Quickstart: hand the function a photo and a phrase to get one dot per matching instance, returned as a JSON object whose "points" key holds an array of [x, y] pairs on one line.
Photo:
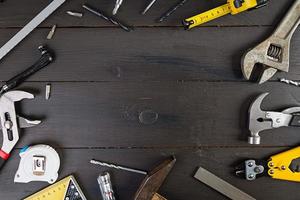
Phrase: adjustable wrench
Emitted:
{"points": [[260, 120], [10, 122], [273, 53]]}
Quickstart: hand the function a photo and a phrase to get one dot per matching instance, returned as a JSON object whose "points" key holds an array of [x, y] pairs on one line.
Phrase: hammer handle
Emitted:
{"points": [[46, 58]]}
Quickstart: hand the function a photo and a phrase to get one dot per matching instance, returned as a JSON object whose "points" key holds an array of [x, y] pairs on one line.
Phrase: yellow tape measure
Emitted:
{"points": [[66, 189], [232, 7]]}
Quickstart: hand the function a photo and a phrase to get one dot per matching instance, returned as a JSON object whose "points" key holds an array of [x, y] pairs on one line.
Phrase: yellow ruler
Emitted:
{"points": [[231, 7], [65, 189], [208, 16]]}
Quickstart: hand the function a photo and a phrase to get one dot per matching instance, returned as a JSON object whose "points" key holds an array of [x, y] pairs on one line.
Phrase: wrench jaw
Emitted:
{"points": [[8, 116], [271, 55]]}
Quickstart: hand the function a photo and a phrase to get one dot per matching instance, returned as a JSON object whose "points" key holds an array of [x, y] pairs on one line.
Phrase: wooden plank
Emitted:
{"points": [[180, 183], [143, 55], [17, 16], [191, 113]]}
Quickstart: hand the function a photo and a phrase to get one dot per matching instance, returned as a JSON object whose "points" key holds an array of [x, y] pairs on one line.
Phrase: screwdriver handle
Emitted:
{"points": [[47, 57]]}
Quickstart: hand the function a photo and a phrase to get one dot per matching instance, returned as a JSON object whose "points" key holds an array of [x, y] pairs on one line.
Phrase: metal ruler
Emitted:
{"points": [[37, 20], [220, 185], [66, 189]]}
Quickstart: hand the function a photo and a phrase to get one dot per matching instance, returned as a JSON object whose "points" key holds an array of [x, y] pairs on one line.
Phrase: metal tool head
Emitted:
{"points": [[266, 59], [154, 180], [9, 120], [273, 53], [257, 120], [251, 169]]}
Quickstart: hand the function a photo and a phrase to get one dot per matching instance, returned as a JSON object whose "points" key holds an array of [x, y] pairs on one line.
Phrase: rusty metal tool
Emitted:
{"points": [[260, 120], [152, 182], [272, 54]]}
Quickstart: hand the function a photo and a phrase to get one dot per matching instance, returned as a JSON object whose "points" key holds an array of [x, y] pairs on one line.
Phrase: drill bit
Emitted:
{"points": [[290, 82], [117, 6], [105, 17], [148, 7], [171, 10], [95, 162]]}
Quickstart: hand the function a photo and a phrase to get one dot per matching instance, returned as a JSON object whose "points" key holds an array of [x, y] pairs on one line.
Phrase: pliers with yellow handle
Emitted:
{"points": [[283, 166]]}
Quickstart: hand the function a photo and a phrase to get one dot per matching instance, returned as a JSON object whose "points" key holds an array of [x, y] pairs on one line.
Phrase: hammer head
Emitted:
{"points": [[154, 180], [257, 120]]}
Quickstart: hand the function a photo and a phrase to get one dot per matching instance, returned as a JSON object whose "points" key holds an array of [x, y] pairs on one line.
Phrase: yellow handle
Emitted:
{"points": [[279, 165]]}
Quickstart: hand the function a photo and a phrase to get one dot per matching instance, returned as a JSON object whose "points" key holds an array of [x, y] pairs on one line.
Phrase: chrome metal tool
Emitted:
{"points": [[260, 120], [10, 122], [37, 20], [272, 54], [117, 6], [106, 187], [148, 6]]}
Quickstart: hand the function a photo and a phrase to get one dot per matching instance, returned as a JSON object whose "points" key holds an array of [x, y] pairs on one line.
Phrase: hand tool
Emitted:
{"points": [[38, 163], [46, 58], [104, 164], [289, 82], [105, 17], [152, 182], [148, 6], [30, 27], [106, 188], [9, 122], [117, 6], [171, 10], [272, 54], [232, 7], [220, 185], [48, 91], [75, 14], [260, 120], [51, 33], [65, 189], [281, 166]]}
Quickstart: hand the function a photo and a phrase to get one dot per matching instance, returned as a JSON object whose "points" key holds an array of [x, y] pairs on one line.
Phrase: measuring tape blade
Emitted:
{"points": [[66, 189], [207, 16], [28, 28]]}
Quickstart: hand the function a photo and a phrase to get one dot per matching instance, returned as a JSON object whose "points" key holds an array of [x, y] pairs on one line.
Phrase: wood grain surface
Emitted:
{"points": [[136, 98]]}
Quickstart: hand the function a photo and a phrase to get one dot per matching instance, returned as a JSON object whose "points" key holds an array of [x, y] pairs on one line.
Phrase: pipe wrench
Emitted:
{"points": [[260, 120], [10, 122], [272, 54]]}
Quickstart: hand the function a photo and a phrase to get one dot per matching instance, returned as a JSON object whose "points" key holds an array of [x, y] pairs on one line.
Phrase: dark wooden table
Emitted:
{"points": [[104, 77]]}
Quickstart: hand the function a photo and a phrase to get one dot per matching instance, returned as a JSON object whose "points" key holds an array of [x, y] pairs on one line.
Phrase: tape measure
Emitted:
{"points": [[66, 189], [232, 7]]}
